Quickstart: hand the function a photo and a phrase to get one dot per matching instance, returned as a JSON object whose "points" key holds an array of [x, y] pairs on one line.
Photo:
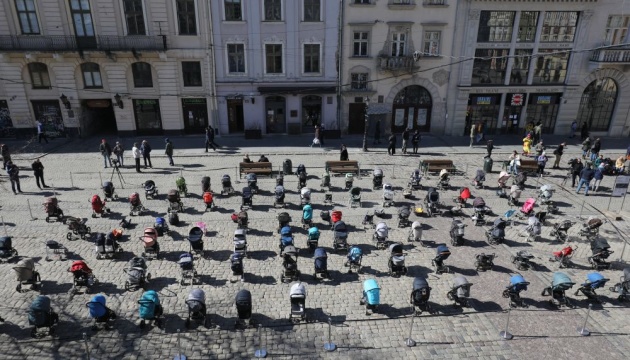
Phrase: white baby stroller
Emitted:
{"points": [[187, 268], [279, 197], [196, 303], [377, 179], [502, 182], [297, 296], [349, 180], [226, 185], [240, 241], [26, 274], [381, 234], [460, 291], [480, 209], [388, 195], [444, 180], [416, 232], [305, 196], [396, 263], [414, 180], [544, 194], [479, 179], [515, 194], [533, 228]]}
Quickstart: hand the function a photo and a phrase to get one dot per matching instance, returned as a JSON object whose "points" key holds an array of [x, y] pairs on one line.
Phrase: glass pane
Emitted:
{"points": [[26, 26], [74, 5], [33, 23], [20, 5], [87, 77], [85, 4], [89, 28], [97, 79], [78, 24]]}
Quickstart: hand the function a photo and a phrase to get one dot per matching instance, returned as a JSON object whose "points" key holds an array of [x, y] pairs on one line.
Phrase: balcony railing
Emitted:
{"points": [[395, 63], [617, 54], [72, 43]]}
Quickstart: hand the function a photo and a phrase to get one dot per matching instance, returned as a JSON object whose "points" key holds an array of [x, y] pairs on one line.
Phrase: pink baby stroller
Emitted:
{"points": [[527, 209]]}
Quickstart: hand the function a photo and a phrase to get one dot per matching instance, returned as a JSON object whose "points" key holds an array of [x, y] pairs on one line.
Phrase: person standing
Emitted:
{"points": [[573, 128], [576, 169], [584, 131], [597, 146], [542, 162], [14, 176], [586, 175], [137, 154], [586, 147], [321, 134], [489, 147], [6, 155], [391, 149], [599, 176], [343, 156], [106, 152], [377, 132], [168, 150], [538, 133], [527, 145], [515, 162], [118, 151], [40, 133], [210, 138], [558, 154], [38, 170], [540, 148], [415, 140], [146, 154], [405, 138], [473, 129]]}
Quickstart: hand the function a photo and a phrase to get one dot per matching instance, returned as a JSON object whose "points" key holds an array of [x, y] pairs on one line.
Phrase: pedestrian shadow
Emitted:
{"points": [[191, 166]]}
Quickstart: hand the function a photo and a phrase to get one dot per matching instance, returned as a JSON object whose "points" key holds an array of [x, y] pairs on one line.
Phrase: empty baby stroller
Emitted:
{"points": [[286, 238], [461, 200], [109, 191], [403, 216], [301, 180], [279, 197], [443, 180], [98, 206], [561, 282], [340, 235], [388, 195], [180, 182], [252, 182], [289, 263], [544, 194], [7, 252], [432, 202], [240, 241], [226, 185], [496, 234], [325, 180], [513, 291], [368, 220], [150, 191], [371, 296], [563, 256], [82, 276], [161, 226], [460, 291], [208, 200], [480, 210], [196, 303], [242, 219], [41, 315], [100, 312], [26, 274], [590, 229], [420, 296], [533, 228], [305, 196], [174, 201], [52, 209], [106, 246], [243, 302], [600, 251], [519, 180], [623, 286], [377, 178], [297, 296], [77, 227], [484, 261], [321, 264], [522, 260], [515, 194], [187, 269], [527, 209], [354, 257], [284, 219], [442, 253], [336, 216], [205, 184], [479, 179], [247, 198], [593, 282], [396, 263], [355, 197], [502, 183], [414, 180], [301, 169], [312, 238], [349, 179], [137, 276], [237, 265], [457, 232], [380, 236], [135, 204], [150, 309], [561, 229], [195, 238], [416, 232], [150, 242]]}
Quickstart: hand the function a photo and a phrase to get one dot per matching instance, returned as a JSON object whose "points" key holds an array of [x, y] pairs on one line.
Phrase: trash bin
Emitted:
{"points": [[287, 167], [487, 164]]}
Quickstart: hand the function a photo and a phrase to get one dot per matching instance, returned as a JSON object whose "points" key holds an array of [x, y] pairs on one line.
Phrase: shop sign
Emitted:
{"points": [[543, 100], [190, 101], [517, 99], [146, 102], [484, 100]]}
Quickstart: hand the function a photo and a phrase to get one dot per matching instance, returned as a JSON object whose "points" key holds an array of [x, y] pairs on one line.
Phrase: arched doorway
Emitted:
{"points": [[597, 104], [412, 109], [275, 110], [311, 112]]}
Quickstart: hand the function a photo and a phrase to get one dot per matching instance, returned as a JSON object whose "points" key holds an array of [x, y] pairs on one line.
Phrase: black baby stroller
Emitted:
{"points": [[590, 229], [380, 236], [7, 252], [442, 253], [195, 238], [522, 260], [623, 286], [26, 274], [600, 251], [479, 179], [205, 184], [443, 180], [243, 304], [252, 182], [297, 296], [460, 291], [368, 220], [283, 220], [377, 179], [77, 227], [187, 270], [247, 198], [340, 234], [593, 282], [109, 191], [321, 264], [135, 205], [519, 180], [150, 191], [349, 180], [560, 284], [420, 296], [480, 209], [301, 180], [414, 180], [100, 312], [396, 263], [41, 315], [279, 197], [54, 249], [226, 185], [513, 291], [137, 276], [457, 232], [484, 261], [280, 179], [289, 263], [432, 202], [174, 201], [496, 234], [196, 303], [403, 216], [561, 229], [354, 257], [237, 265], [355, 197], [305, 196], [106, 246], [242, 219]]}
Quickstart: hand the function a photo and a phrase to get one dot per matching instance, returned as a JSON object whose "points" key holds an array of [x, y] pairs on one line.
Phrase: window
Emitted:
{"points": [[520, 68], [142, 76], [28, 16], [360, 44], [559, 26], [39, 75], [359, 81], [495, 26], [312, 10], [617, 29], [552, 67], [489, 66], [401, 2], [186, 17], [311, 58], [273, 57], [598, 104], [134, 17], [398, 44], [361, 2], [431, 43], [236, 58], [82, 18], [191, 70], [233, 10], [273, 10], [527, 26], [91, 76]]}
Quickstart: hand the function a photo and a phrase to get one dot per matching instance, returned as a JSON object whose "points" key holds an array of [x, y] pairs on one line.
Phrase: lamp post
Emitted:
{"points": [[367, 117]]}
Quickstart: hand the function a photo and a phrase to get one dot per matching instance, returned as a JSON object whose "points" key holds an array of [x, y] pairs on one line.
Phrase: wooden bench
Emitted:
{"points": [[343, 167], [436, 165], [258, 168], [528, 165]]}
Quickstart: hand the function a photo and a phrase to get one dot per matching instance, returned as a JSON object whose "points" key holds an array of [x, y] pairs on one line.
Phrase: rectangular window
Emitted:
{"points": [[495, 26], [142, 77], [489, 66], [527, 26], [399, 42], [551, 68], [236, 58], [559, 26], [360, 44], [82, 18], [233, 10], [359, 81], [617, 29], [273, 57], [186, 17], [191, 71], [312, 9], [134, 17], [273, 10], [28, 16], [39, 76], [311, 58], [431, 43], [91, 76], [361, 2], [520, 68]]}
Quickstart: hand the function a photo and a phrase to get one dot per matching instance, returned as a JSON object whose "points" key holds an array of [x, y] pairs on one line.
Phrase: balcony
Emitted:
{"points": [[401, 4], [395, 63], [612, 55], [71, 43], [439, 3]]}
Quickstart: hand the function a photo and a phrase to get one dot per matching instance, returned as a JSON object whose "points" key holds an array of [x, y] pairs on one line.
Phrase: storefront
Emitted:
{"points": [[48, 112], [148, 118], [6, 123], [275, 111], [543, 108], [195, 112], [412, 109], [483, 111], [235, 115], [513, 107]]}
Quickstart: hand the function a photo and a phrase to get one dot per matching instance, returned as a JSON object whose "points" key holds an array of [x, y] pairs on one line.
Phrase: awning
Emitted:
{"points": [[378, 109], [296, 89]]}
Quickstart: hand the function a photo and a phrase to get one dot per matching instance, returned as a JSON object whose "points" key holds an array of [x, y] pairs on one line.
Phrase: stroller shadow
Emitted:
{"points": [[514, 244], [460, 271], [223, 323], [262, 254], [109, 289], [257, 279], [393, 312], [367, 270], [224, 210], [219, 255], [418, 271], [539, 304], [501, 269], [15, 331], [209, 280], [54, 288], [486, 306], [475, 243], [256, 232]]}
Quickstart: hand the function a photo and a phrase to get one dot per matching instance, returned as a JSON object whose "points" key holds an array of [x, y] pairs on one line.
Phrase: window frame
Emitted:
{"points": [[227, 59], [82, 12], [186, 73], [615, 29], [507, 29], [304, 6], [186, 13], [281, 59], [426, 42], [549, 33], [135, 75], [360, 41], [30, 16], [501, 67], [521, 27], [551, 73], [359, 81], [395, 43], [136, 13], [39, 72], [85, 71], [264, 9], [319, 58], [524, 58], [233, 3]]}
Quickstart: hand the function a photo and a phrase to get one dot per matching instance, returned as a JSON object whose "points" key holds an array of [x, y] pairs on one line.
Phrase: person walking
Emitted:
{"points": [[6, 155], [405, 138], [38, 171], [599, 176], [40, 133], [540, 148], [415, 140], [377, 132], [586, 175], [316, 137], [527, 145], [137, 154], [106, 152], [597, 146], [576, 169], [391, 149], [14, 176], [118, 150], [542, 162], [343, 156], [489, 147], [558, 154], [473, 130], [210, 138], [168, 150], [538, 133], [573, 128], [586, 147], [146, 154]]}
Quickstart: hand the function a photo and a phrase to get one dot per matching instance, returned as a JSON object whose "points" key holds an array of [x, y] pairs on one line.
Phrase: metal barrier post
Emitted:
{"points": [[409, 341], [29, 209], [71, 180], [4, 226], [623, 251], [330, 346], [180, 355], [505, 335], [393, 171], [261, 352], [583, 330], [100, 177], [582, 209]]}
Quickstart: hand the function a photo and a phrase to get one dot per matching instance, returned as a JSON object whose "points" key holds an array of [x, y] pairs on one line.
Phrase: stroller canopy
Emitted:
{"points": [[286, 231], [340, 226], [305, 192], [290, 250], [5, 243], [247, 192], [465, 193], [480, 175], [388, 187], [313, 233], [225, 180], [442, 250], [251, 177], [420, 283], [416, 225], [561, 279], [298, 290], [518, 279], [395, 248], [626, 274], [595, 280], [41, 304], [600, 244], [137, 262], [499, 223], [594, 223], [197, 295], [479, 202], [457, 224], [378, 172], [148, 303], [320, 253], [355, 253], [185, 259], [355, 191], [307, 212], [279, 190], [97, 306], [503, 176], [284, 217], [432, 195], [443, 174], [565, 225], [528, 205], [180, 181], [195, 234], [151, 296], [149, 185], [515, 191], [244, 298], [382, 229], [460, 281], [404, 211], [240, 234], [108, 186]]}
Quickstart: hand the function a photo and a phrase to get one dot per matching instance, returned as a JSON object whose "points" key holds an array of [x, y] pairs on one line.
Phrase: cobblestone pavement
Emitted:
{"points": [[540, 331]]}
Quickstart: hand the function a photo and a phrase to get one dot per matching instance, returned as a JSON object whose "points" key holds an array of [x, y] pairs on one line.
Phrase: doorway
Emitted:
{"points": [[99, 117], [311, 112], [276, 114], [236, 121], [412, 110], [195, 115], [356, 118]]}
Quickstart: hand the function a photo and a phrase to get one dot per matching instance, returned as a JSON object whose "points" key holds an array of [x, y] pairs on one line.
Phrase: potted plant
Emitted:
{"points": [[253, 131]]}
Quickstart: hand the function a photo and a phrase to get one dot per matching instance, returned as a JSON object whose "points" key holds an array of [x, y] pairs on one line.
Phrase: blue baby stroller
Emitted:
{"points": [[593, 281], [513, 291], [161, 226], [560, 284], [321, 264], [150, 309], [420, 295], [100, 312], [355, 255], [187, 268], [438, 262], [312, 239], [623, 286], [279, 197], [307, 216], [196, 303], [371, 296], [195, 238], [41, 315], [286, 238]]}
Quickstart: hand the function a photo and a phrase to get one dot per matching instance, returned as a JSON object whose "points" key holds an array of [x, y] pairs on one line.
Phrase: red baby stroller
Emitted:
{"points": [[151, 246], [135, 204], [83, 276], [336, 216], [563, 256], [52, 209], [98, 206], [461, 200], [527, 209], [208, 199]]}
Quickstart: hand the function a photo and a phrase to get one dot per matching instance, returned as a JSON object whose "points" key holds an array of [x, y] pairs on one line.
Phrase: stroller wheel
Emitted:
{"points": [[47, 219], [94, 327], [18, 288], [93, 215], [34, 332], [187, 323], [142, 324], [69, 236]]}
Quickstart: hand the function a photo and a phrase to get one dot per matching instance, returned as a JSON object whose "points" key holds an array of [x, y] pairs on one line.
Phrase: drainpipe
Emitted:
{"points": [[213, 85], [450, 72], [340, 62]]}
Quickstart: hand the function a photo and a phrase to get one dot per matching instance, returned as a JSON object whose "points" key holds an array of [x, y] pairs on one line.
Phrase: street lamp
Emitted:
{"points": [[118, 101], [367, 117]]}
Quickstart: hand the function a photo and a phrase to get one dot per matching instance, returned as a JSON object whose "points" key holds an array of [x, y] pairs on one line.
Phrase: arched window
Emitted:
{"points": [[142, 76], [39, 75], [412, 109], [91, 76], [597, 104]]}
